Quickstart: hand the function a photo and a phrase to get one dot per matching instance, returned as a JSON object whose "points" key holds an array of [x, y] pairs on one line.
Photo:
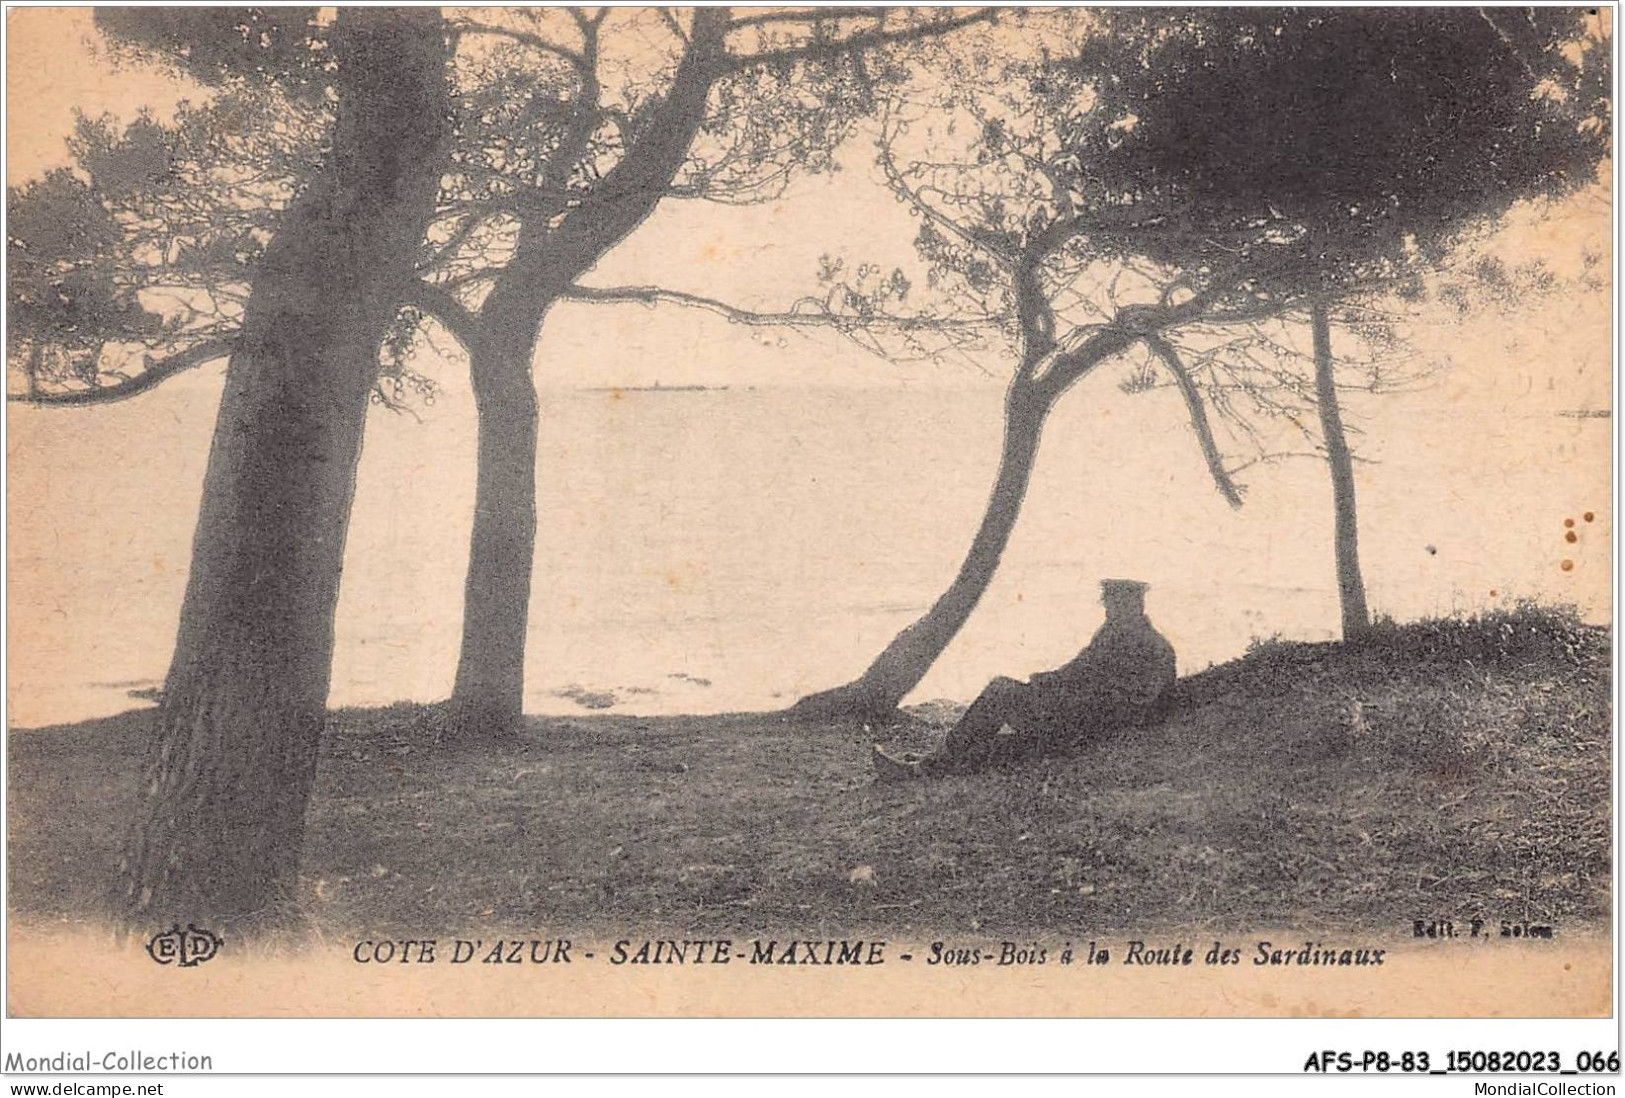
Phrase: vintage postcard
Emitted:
{"points": [[809, 511]]}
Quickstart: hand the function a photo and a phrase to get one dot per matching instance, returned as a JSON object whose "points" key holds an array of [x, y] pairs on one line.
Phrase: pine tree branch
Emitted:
{"points": [[859, 40], [446, 307], [535, 41], [1199, 421], [155, 373], [819, 316]]}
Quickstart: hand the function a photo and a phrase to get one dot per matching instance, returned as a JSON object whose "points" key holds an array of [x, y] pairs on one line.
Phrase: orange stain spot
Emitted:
{"points": [[1568, 566], [1568, 522], [616, 394], [673, 580], [1590, 516], [1571, 537], [1493, 592]]}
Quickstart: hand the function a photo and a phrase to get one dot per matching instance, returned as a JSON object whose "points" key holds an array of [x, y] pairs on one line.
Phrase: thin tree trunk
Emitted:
{"points": [[488, 699], [905, 661], [234, 754], [1350, 584]]}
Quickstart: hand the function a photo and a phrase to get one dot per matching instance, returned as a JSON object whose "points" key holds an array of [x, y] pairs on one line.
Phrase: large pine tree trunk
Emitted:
{"points": [[488, 699], [876, 694], [235, 751], [1350, 584]]}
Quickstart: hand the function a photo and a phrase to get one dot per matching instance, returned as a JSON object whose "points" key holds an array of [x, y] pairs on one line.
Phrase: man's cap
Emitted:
{"points": [[1120, 587]]}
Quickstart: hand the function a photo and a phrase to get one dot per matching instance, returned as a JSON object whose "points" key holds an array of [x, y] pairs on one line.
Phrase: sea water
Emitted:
{"points": [[706, 550]]}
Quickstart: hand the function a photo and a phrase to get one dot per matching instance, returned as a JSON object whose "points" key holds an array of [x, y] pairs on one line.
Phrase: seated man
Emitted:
{"points": [[1112, 683]]}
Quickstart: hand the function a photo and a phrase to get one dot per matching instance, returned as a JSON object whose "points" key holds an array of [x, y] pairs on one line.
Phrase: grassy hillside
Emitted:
{"points": [[1449, 768]]}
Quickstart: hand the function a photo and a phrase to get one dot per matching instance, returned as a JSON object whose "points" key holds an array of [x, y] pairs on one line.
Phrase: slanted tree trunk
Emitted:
{"points": [[235, 750], [488, 699], [1350, 584], [1044, 375], [898, 669]]}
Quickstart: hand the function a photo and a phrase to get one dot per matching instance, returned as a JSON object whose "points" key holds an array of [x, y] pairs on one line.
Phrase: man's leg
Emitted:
{"points": [[1075, 722], [973, 743]]}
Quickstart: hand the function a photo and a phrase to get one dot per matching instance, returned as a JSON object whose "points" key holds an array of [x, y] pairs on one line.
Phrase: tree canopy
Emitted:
{"points": [[1323, 148], [169, 219]]}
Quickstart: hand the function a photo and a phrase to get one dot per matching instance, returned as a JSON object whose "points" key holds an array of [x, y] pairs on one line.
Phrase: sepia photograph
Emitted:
{"points": [[762, 512]]}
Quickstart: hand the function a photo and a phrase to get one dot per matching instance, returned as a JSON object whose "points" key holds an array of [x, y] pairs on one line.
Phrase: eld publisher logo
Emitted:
{"points": [[186, 948]]}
